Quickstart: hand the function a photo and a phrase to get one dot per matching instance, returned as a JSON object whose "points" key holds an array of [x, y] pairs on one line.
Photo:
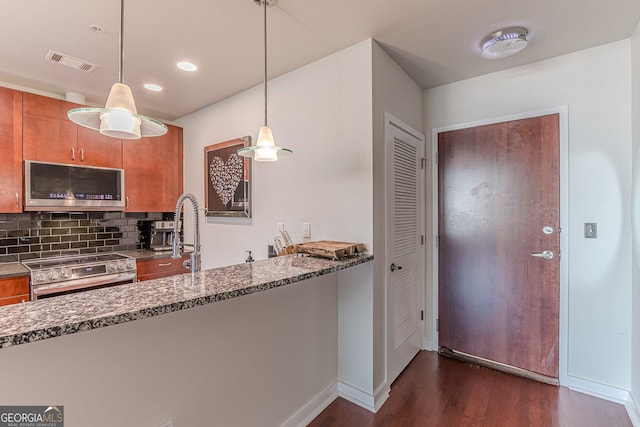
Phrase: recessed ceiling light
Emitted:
{"points": [[153, 87], [96, 28], [504, 43], [186, 66]]}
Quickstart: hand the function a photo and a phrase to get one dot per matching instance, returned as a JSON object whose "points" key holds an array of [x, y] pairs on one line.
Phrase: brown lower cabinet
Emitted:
{"points": [[160, 267], [14, 290]]}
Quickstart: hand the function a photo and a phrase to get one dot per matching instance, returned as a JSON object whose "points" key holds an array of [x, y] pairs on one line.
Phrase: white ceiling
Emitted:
{"points": [[435, 41]]}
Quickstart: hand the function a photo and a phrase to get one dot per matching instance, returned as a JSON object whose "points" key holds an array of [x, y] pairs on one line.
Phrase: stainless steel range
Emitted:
{"points": [[68, 274]]}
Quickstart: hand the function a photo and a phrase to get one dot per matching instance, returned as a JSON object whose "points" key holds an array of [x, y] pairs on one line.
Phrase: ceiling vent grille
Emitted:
{"points": [[78, 64]]}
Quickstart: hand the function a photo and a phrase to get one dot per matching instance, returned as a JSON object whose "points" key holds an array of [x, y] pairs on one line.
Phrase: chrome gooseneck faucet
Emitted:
{"points": [[194, 262]]}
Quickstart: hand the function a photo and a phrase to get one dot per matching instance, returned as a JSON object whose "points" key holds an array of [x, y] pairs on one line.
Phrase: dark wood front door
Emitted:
{"points": [[498, 214]]}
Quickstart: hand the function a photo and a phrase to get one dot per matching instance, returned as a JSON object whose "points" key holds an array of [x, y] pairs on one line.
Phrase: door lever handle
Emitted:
{"points": [[544, 254], [395, 267]]}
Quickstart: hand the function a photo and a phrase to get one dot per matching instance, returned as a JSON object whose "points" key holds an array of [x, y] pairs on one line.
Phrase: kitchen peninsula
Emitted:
{"points": [[69, 314], [169, 355]]}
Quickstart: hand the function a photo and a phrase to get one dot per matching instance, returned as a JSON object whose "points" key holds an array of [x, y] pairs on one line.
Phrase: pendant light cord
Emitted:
{"points": [[121, 57], [264, 2]]}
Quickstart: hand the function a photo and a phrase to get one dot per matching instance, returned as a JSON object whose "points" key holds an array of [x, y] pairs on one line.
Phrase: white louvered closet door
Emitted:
{"points": [[404, 245]]}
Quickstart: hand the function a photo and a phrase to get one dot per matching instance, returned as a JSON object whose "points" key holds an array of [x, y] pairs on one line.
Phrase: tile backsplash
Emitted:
{"points": [[43, 234]]}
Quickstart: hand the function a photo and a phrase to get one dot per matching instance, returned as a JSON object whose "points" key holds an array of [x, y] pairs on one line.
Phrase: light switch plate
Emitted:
{"points": [[306, 230], [590, 230]]}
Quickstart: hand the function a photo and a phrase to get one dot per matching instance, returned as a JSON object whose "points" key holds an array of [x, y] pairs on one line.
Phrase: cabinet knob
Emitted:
{"points": [[82, 154], [73, 153]]}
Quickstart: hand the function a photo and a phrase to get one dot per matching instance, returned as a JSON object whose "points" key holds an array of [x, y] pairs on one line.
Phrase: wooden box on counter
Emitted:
{"points": [[326, 249]]}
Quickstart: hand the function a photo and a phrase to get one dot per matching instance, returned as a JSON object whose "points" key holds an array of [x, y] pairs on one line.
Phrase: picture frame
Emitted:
{"points": [[227, 186]]}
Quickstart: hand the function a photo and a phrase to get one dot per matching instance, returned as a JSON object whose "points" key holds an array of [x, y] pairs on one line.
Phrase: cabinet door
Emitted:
{"points": [[95, 149], [48, 134], [14, 300], [153, 172], [10, 150], [161, 267], [14, 290]]}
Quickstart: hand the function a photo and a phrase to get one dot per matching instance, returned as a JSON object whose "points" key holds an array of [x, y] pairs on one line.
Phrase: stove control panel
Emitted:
{"points": [[61, 273]]}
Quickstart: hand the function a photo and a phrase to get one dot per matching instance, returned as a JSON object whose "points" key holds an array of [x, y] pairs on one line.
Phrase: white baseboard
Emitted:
{"points": [[593, 388], [381, 395], [633, 410], [357, 396], [363, 399], [427, 344], [312, 408]]}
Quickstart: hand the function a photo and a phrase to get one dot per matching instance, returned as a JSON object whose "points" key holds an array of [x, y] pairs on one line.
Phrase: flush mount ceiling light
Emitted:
{"points": [[504, 43], [119, 118], [265, 149]]}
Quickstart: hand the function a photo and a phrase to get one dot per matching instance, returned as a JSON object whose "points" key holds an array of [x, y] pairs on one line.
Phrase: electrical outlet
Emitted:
{"points": [[306, 230], [280, 227]]}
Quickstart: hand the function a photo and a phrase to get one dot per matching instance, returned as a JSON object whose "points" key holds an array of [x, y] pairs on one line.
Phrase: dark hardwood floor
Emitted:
{"points": [[438, 391]]}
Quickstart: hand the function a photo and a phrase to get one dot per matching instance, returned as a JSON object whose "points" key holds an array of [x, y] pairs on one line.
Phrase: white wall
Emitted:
{"points": [[323, 113], [635, 329], [396, 93], [595, 84], [250, 361]]}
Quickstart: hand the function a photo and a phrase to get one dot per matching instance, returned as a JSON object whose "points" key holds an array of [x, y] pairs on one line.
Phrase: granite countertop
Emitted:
{"points": [[69, 314], [12, 269]]}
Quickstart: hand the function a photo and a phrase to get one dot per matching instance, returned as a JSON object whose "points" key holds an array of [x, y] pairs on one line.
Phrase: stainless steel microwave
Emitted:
{"points": [[56, 186]]}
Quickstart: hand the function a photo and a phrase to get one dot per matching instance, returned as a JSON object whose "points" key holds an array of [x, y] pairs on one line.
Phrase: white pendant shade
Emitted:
{"points": [[265, 149], [119, 118], [117, 123], [265, 146], [121, 98]]}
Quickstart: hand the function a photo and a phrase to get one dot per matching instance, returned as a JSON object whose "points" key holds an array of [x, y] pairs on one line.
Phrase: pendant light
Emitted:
{"points": [[119, 118], [265, 149]]}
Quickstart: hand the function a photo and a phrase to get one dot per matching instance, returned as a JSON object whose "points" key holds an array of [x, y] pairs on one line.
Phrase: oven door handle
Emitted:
{"points": [[89, 282]]}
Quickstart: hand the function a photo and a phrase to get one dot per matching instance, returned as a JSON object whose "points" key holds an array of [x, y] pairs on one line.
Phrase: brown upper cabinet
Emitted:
{"points": [[49, 136], [10, 150], [153, 179]]}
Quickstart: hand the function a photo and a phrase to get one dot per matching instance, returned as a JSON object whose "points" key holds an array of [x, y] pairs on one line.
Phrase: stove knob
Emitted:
{"points": [[131, 264], [111, 267], [53, 275], [121, 265], [40, 277], [66, 273]]}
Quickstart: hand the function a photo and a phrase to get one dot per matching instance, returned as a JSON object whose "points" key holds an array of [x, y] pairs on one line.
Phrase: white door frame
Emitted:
{"points": [[563, 112], [390, 120]]}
